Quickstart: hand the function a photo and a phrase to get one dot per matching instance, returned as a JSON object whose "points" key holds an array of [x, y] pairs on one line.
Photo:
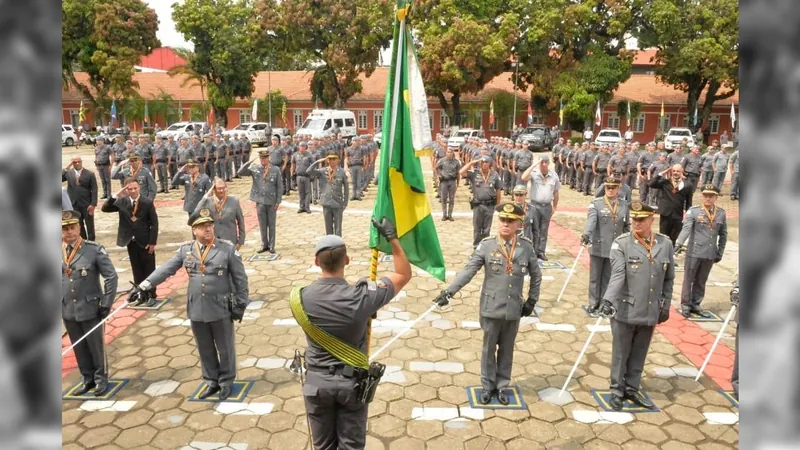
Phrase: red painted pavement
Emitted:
{"points": [[126, 317], [688, 337]]}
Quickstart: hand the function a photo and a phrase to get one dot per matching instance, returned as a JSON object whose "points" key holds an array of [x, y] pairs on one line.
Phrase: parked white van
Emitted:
{"points": [[256, 132], [321, 122]]}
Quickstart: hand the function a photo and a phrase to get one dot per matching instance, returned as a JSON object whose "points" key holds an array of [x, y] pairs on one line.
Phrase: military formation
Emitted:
{"points": [[632, 267]]}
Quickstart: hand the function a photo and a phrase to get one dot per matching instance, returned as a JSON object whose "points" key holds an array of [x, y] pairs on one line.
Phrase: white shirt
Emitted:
{"points": [[543, 187], [588, 134], [629, 135]]}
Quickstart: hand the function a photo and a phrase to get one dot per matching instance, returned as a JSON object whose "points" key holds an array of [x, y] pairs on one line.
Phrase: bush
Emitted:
{"points": [[576, 140]]}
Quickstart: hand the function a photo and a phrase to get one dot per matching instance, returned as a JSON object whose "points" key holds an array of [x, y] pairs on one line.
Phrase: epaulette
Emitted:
{"points": [[95, 243], [225, 241], [624, 235], [525, 238], [488, 238], [663, 235], [694, 206]]}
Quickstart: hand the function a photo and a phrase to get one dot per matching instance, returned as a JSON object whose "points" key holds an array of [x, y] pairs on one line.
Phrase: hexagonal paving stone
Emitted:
{"points": [[500, 428], [554, 396], [162, 388], [134, 437]]}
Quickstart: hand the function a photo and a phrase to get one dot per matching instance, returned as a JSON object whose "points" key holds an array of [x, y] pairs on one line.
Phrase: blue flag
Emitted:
{"points": [[113, 111], [695, 116]]}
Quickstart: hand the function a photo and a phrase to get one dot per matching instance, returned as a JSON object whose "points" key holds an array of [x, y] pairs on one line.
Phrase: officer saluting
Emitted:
{"points": [[336, 415], [217, 295], [83, 303], [507, 259], [334, 190], [706, 229], [266, 193], [638, 297], [607, 218]]}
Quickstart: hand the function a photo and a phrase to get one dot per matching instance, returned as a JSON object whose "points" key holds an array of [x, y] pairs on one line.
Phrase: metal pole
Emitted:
{"points": [[716, 341], [580, 356], [516, 79], [124, 305], [571, 271], [375, 355], [269, 96]]}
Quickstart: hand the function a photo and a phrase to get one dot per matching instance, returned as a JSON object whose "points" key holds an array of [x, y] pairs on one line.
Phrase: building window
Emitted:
{"points": [[613, 121], [377, 119], [664, 123], [444, 121], [430, 120], [493, 126], [713, 124], [362, 120], [244, 115], [638, 124], [297, 118], [537, 120], [74, 118]]}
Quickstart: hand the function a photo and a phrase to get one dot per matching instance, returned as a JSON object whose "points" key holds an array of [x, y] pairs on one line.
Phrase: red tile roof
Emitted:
{"points": [[162, 58], [295, 86], [645, 57]]}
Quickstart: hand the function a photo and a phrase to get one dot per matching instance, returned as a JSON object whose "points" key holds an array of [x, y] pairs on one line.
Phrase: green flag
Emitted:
{"points": [[406, 137]]}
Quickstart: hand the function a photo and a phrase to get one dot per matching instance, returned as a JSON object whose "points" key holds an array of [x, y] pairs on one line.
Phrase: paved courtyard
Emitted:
{"points": [[422, 402]]}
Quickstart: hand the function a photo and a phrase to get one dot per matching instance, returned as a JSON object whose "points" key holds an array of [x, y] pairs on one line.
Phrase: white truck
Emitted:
{"points": [[674, 137], [68, 135], [323, 122], [179, 128], [458, 137], [256, 132], [608, 136]]}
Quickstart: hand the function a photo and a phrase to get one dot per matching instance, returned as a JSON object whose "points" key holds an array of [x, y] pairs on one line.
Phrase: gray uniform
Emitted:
{"points": [[501, 303], [146, 153], [302, 161], [146, 181], [237, 149], [337, 419], [603, 226], [208, 294], [524, 159], [602, 160], [675, 157], [721, 160], [541, 196], [645, 160], [334, 196], [580, 160], [484, 192], [266, 193], [692, 165], [632, 158], [221, 165], [81, 297], [640, 288], [118, 148], [706, 245], [161, 153], [707, 168], [735, 176], [172, 146], [619, 165], [355, 161], [184, 154], [448, 173], [588, 173], [102, 160], [228, 221], [194, 190]]}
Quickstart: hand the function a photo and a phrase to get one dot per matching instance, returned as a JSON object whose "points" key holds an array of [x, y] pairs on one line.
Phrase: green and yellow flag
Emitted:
{"points": [[406, 137]]}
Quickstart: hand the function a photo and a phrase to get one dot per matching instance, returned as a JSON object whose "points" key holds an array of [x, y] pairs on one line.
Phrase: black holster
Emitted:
{"points": [[236, 308], [368, 382]]}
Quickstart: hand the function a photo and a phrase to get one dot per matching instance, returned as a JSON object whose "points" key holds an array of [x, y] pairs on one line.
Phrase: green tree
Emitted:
{"points": [[105, 39], [229, 47], [132, 109], [277, 100], [162, 105], [573, 51], [344, 36], [503, 107], [462, 46], [698, 48], [191, 77], [622, 109]]}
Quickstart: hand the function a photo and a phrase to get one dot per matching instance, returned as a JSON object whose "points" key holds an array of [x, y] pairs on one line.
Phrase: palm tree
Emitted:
{"points": [[190, 75], [163, 105]]}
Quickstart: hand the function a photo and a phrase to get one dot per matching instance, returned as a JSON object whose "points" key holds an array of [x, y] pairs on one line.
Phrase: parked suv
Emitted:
{"points": [[458, 137], [537, 138], [68, 135], [608, 136], [676, 135]]}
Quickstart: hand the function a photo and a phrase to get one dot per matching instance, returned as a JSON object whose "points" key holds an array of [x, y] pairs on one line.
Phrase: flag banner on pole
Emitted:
{"points": [[254, 112], [113, 111], [629, 114], [560, 113], [491, 112], [662, 108], [146, 112], [695, 116], [81, 113], [407, 136], [598, 116], [210, 115], [530, 114], [733, 118], [283, 114]]}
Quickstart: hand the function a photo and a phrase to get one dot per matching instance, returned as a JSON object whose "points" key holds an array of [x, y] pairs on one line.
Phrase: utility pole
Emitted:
{"points": [[516, 79], [269, 95]]}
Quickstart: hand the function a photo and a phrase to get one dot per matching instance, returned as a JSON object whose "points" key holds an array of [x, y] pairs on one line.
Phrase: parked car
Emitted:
{"points": [[676, 135], [538, 139], [179, 128], [321, 122], [608, 136], [256, 132], [68, 137], [458, 137]]}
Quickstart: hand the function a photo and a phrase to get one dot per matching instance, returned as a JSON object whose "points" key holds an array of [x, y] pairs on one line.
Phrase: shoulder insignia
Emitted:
{"points": [[225, 241], [488, 238], [93, 243], [525, 239], [663, 236], [623, 235], [372, 286], [381, 284], [615, 245], [591, 205]]}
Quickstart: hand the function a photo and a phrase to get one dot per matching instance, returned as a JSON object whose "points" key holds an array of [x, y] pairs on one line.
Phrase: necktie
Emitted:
{"points": [[508, 246], [202, 249], [69, 248]]}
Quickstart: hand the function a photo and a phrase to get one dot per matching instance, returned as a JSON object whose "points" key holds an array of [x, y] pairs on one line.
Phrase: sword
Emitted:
{"points": [[571, 271], [580, 356], [405, 330], [298, 367], [716, 341], [124, 305]]}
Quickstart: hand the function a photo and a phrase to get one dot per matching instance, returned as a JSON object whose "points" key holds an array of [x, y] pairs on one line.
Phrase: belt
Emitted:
{"points": [[101, 164], [201, 160], [446, 179], [337, 369], [693, 174], [355, 165], [486, 202], [161, 160], [540, 204]]}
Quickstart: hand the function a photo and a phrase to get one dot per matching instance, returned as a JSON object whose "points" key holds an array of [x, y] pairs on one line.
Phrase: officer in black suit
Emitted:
{"points": [[137, 230], [82, 190]]}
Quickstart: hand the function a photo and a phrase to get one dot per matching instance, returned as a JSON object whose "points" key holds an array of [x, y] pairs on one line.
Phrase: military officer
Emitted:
{"points": [[118, 148], [720, 166], [217, 295], [222, 153], [658, 166], [632, 155], [705, 227], [588, 172], [600, 165], [301, 161], [692, 164], [734, 167], [524, 160], [132, 168], [486, 192], [209, 163], [507, 259], [196, 185], [642, 165], [335, 190], [247, 147], [543, 199], [146, 152], [529, 229], [354, 160], [184, 153], [336, 416], [618, 164], [172, 146], [289, 149], [707, 169], [103, 160], [439, 152], [637, 298], [226, 212], [447, 169], [162, 161], [607, 218], [238, 151], [266, 193], [624, 192], [83, 303]]}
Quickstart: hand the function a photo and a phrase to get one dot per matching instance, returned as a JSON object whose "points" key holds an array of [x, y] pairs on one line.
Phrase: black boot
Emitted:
{"points": [[208, 392], [615, 402], [640, 400], [486, 397]]}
